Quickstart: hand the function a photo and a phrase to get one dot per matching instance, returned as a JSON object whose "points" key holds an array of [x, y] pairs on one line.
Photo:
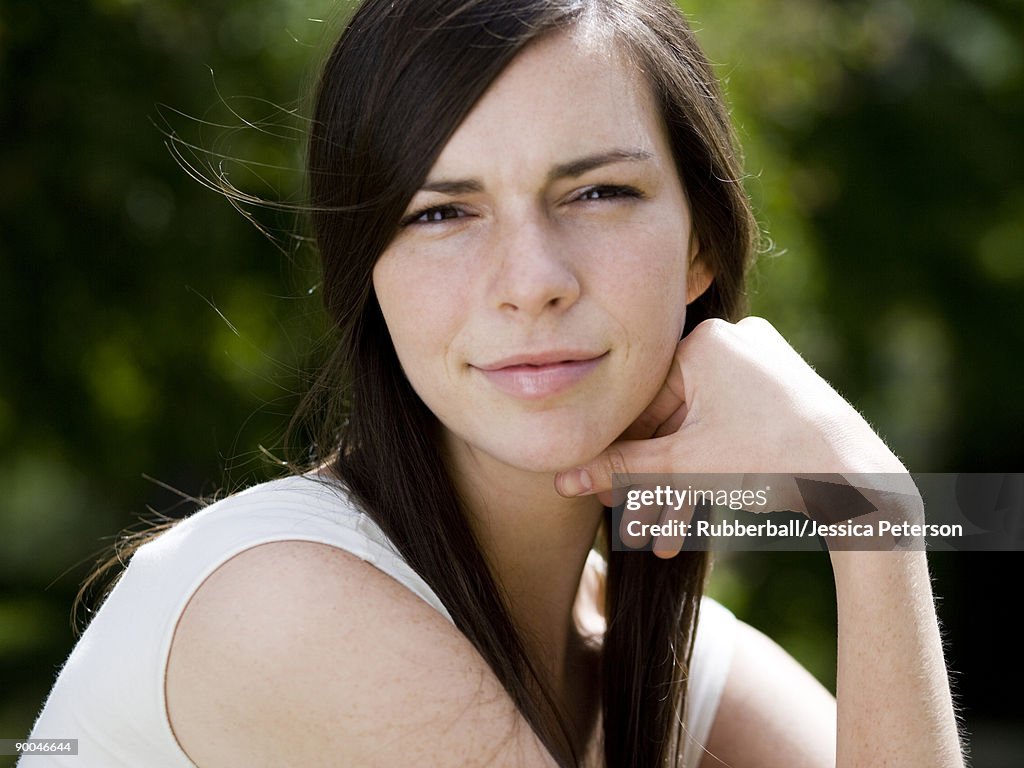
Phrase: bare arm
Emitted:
{"points": [[773, 712], [895, 707], [741, 400], [298, 653]]}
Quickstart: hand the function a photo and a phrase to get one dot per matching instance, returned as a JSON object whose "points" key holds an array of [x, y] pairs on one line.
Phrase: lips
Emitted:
{"points": [[543, 375]]}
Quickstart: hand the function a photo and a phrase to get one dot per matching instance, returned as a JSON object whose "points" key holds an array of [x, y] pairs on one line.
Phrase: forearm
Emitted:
{"points": [[894, 703]]}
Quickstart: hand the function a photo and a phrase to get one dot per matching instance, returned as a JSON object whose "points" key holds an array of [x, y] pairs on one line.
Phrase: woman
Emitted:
{"points": [[521, 208]]}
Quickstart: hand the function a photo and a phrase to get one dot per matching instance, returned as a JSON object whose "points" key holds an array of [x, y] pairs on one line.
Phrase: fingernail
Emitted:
{"points": [[577, 483]]}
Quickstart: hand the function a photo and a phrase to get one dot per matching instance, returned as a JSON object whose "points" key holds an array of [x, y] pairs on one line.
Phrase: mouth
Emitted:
{"points": [[543, 375]]}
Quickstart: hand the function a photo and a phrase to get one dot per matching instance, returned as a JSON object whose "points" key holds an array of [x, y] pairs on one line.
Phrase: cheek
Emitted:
{"points": [[420, 311], [646, 284], [648, 304]]}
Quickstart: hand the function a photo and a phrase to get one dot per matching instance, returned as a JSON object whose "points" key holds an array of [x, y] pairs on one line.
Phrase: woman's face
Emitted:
{"points": [[538, 287]]}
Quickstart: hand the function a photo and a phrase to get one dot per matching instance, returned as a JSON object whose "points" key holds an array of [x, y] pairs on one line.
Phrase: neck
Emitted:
{"points": [[536, 543]]}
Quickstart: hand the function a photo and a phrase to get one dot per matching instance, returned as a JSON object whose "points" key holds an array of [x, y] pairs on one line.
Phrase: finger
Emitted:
{"points": [[671, 544], [669, 405], [673, 423], [616, 466], [634, 526]]}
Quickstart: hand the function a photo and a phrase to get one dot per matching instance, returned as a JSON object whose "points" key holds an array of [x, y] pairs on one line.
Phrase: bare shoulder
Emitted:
{"points": [[300, 653], [773, 712]]}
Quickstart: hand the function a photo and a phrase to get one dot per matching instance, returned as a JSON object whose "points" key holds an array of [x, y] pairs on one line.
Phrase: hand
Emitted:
{"points": [[739, 399]]}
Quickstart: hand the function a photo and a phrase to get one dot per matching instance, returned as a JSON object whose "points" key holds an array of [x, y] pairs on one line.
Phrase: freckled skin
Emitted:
{"points": [[524, 263]]}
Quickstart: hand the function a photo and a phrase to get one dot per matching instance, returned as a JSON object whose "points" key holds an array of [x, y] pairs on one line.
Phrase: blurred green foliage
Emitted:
{"points": [[149, 330]]}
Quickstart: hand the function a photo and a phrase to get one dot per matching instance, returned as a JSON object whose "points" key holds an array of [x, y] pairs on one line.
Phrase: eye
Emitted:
{"points": [[433, 215], [605, 191]]}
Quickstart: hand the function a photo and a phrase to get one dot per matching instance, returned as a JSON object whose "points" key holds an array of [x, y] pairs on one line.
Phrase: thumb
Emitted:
{"points": [[616, 465]]}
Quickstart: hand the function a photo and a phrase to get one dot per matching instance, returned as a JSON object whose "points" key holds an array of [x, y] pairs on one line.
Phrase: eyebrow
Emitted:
{"points": [[575, 168], [569, 170]]}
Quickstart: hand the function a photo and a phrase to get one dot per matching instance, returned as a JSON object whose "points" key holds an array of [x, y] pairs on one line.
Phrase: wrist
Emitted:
{"points": [[886, 514]]}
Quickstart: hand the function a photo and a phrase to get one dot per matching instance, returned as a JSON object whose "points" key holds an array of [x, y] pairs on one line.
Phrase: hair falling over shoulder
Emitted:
{"points": [[397, 84]]}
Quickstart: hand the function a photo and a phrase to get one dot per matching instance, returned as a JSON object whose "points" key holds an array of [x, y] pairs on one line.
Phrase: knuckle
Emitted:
{"points": [[711, 326], [757, 324], [616, 465], [750, 320], [708, 330]]}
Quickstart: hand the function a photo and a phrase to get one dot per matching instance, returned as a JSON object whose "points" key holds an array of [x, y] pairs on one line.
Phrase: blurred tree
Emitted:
{"points": [[150, 330]]}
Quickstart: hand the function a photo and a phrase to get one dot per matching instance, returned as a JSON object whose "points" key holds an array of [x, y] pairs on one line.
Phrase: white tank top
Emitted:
{"points": [[110, 692]]}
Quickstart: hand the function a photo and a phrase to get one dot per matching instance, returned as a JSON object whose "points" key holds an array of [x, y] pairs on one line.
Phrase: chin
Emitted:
{"points": [[539, 452]]}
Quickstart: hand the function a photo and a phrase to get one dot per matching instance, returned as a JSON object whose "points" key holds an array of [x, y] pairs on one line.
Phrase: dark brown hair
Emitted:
{"points": [[400, 80], [396, 86]]}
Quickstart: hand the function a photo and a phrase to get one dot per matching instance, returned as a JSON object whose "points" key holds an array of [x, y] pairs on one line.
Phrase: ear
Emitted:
{"points": [[699, 275]]}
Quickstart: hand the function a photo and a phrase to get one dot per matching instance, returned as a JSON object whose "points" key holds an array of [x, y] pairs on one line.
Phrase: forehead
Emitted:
{"points": [[567, 94]]}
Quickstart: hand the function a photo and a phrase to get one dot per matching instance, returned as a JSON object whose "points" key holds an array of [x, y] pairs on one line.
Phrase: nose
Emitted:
{"points": [[534, 272]]}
